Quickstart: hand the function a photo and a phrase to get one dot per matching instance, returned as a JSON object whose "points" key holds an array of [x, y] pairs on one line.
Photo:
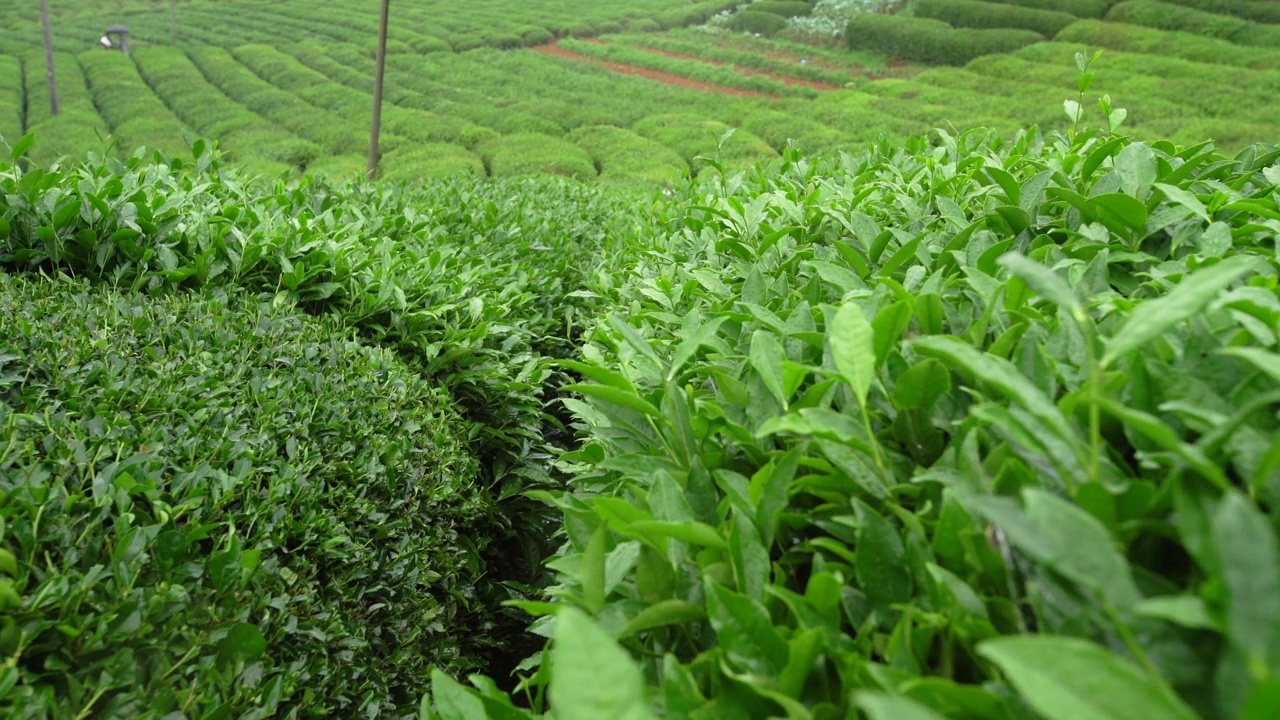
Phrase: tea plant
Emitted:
{"points": [[982, 429]]}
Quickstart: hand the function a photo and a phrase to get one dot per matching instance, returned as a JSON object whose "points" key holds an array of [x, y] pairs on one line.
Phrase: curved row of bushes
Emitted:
{"points": [[624, 156], [207, 111], [1079, 8], [931, 41], [1169, 16], [134, 113], [336, 135], [1189, 46], [982, 14]]}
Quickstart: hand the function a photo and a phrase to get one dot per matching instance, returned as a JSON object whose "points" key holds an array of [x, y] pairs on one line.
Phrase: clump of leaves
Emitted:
{"points": [[215, 507], [977, 429]]}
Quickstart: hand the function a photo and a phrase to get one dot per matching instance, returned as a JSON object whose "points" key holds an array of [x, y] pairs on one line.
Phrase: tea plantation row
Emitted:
{"points": [[971, 428]]}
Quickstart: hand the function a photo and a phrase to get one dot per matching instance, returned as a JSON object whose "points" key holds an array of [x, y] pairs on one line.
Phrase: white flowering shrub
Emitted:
{"points": [[830, 17]]}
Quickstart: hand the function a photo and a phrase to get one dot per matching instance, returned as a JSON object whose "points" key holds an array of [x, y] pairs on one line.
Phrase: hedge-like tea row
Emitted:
{"points": [[211, 113], [531, 153], [1189, 46], [981, 14], [424, 161], [758, 23], [1079, 8], [784, 8], [231, 495], [624, 156], [1261, 11], [133, 112], [11, 98], [1167, 16], [698, 140], [78, 129], [931, 41], [335, 135]]}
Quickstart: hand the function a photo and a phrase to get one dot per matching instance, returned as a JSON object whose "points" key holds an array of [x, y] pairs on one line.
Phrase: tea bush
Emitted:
{"points": [[974, 428], [215, 508], [1169, 16], [785, 8], [931, 41], [979, 14], [760, 23], [625, 156], [1079, 8], [1263, 12], [1186, 45]]}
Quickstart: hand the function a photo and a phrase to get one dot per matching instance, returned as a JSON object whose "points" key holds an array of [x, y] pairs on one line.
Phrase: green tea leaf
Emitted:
{"points": [[921, 385], [616, 396], [879, 706], [881, 569], [690, 532], [21, 147], [663, 613], [1153, 318], [1267, 362], [767, 357], [453, 701], [745, 631], [591, 571], [593, 678], [243, 642], [1046, 283], [1250, 562], [853, 348], [1070, 679]]}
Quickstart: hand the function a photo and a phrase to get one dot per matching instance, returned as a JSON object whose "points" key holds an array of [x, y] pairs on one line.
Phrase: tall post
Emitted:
{"points": [[377, 90], [48, 59], [173, 22]]}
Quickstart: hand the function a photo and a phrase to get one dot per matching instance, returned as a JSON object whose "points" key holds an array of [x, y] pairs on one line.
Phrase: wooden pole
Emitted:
{"points": [[377, 90], [173, 22], [48, 59]]}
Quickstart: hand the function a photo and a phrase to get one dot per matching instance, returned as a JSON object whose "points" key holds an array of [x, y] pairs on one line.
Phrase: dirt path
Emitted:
{"points": [[666, 78]]}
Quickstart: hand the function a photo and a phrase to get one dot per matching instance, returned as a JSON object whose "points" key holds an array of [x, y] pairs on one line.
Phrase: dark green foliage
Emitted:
{"points": [[213, 501], [784, 8], [579, 30], [1168, 16], [1079, 8], [463, 42], [931, 41], [1138, 39], [537, 36], [760, 23], [430, 44], [1261, 11], [504, 41], [980, 14]]}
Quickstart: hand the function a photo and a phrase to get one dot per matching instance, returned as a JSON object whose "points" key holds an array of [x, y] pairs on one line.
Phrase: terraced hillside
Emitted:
{"points": [[635, 92]]}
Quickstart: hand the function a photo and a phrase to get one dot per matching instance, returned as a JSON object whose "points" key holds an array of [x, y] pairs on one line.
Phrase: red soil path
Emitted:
{"points": [[667, 78]]}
